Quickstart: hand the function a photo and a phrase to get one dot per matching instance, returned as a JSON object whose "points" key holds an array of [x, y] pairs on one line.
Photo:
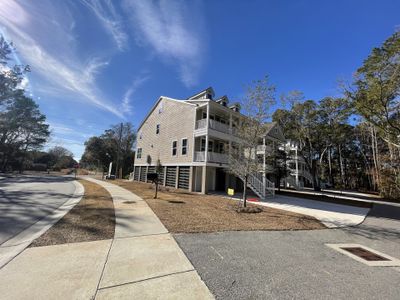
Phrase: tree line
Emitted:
{"points": [[23, 128], [114, 146], [353, 141]]}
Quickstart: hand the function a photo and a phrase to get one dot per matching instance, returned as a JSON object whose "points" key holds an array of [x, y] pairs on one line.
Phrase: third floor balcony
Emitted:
{"points": [[201, 126]]}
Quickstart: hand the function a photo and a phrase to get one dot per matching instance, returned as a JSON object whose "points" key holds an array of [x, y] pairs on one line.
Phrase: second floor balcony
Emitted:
{"points": [[214, 157]]}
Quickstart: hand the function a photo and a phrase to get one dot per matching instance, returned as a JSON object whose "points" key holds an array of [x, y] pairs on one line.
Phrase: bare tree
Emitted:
{"points": [[256, 109]]}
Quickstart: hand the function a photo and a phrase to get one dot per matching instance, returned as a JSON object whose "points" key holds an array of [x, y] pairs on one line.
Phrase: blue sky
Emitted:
{"points": [[96, 63]]}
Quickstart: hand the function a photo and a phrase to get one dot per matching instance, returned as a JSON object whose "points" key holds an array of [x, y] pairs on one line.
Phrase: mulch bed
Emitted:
{"points": [[91, 219], [184, 212]]}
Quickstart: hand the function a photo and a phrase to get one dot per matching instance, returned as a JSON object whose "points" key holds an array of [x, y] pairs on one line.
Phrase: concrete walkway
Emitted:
{"points": [[332, 215], [143, 261]]}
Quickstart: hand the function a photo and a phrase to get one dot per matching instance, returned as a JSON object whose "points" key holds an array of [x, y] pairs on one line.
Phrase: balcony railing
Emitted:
{"points": [[218, 126], [199, 156]]}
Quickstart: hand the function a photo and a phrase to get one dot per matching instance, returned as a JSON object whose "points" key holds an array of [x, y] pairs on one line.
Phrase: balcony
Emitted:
{"points": [[212, 124], [200, 156]]}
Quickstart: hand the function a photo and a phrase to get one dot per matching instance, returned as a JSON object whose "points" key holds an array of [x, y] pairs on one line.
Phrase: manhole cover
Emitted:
{"points": [[366, 255]]}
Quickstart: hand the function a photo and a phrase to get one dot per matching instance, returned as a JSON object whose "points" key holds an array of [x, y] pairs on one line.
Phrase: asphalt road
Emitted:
{"points": [[297, 264], [26, 199]]}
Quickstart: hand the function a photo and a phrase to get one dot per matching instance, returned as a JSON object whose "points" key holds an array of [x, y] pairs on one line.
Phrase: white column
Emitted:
{"points": [[165, 176], [204, 187], [208, 120], [297, 167], [264, 163], [191, 175], [177, 177]]}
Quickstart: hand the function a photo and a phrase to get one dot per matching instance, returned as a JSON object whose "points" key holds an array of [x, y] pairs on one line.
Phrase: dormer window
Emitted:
{"points": [[223, 103]]}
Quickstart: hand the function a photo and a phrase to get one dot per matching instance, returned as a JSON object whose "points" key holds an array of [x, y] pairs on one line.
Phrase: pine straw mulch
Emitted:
{"points": [[184, 212], [91, 219]]}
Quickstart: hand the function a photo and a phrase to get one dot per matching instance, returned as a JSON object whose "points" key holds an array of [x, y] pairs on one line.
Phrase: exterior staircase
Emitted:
{"points": [[261, 186]]}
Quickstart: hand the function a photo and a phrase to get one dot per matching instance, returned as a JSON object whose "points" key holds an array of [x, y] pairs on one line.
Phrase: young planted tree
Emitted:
{"points": [[256, 107], [159, 168]]}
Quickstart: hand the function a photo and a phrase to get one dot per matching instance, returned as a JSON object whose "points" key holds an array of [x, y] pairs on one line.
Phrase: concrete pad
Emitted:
{"points": [[186, 285], [69, 271], [139, 258], [331, 215]]}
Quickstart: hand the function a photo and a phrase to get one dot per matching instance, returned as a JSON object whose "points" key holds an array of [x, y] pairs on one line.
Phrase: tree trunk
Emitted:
{"points": [[155, 196], [341, 166], [245, 192], [331, 179]]}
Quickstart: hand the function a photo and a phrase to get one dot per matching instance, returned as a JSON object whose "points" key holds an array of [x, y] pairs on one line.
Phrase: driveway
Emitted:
{"points": [[26, 199], [298, 264]]}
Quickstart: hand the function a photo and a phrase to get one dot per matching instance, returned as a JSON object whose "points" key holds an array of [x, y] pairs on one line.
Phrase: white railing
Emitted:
{"points": [[218, 126], [217, 157], [201, 124], [261, 186], [199, 156], [291, 181]]}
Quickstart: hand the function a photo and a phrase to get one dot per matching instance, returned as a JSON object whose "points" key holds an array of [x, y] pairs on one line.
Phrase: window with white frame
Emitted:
{"points": [[184, 146], [157, 128], [174, 147], [139, 153]]}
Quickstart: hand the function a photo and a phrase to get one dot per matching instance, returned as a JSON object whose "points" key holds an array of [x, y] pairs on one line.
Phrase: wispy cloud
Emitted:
{"points": [[109, 19], [168, 27], [63, 70], [126, 105]]}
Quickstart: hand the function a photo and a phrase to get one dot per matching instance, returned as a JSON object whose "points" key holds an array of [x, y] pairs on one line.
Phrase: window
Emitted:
{"points": [[210, 146], [204, 115], [157, 128], [174, 147], [203, 145], [139, 153], [184, 146], [220, 147]]}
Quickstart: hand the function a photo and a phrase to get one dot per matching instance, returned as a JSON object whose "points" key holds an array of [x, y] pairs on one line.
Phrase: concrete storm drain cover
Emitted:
{"points": [[366, 255]]}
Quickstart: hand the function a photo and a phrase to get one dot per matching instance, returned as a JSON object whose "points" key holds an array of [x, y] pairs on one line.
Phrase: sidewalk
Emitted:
{"points": [[143, 261]]}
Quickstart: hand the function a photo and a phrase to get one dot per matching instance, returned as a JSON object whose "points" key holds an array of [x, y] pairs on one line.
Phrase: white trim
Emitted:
{"points": [[187, 146], [188, 164]]}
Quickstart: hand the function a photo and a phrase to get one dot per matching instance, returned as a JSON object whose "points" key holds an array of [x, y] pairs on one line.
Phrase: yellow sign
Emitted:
{"points": [[231, 192]]}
